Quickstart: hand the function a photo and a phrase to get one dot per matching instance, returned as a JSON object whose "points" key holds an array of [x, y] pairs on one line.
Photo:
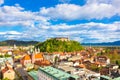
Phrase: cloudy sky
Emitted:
{"points": [[86, 21]]}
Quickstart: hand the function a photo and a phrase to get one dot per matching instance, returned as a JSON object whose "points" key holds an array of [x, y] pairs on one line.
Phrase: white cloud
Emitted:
{"points": [[95, 10], [10, 33], [25, 21], [77, 39], [37, 26], [13, 33], [64, 1], [88, 32], [1, 2], [113, 3], [16, 15], [98, 1]]}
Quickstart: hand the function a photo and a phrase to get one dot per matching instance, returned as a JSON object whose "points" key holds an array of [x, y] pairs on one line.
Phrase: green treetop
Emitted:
{"points": [[53, 45]]}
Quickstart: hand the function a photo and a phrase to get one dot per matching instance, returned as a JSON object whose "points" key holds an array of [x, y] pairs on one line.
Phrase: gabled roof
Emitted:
{"points": [[45, 62], [26, 57], [6, 69], [105, 57], [82, 66], [39, 55]]}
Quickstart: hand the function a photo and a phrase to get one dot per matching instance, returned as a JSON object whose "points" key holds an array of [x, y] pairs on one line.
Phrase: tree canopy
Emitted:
{"points": [[53, 45]]}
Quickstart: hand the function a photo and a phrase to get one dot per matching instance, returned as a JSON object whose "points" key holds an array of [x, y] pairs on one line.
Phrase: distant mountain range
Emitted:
{"points": [[26, 43], [16, 42], [115, 43]]}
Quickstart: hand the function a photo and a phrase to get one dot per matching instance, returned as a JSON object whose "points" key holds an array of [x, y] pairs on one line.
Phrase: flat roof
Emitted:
{"points": [[56, 73], [33, 74], [106, 77], [118, 78]]}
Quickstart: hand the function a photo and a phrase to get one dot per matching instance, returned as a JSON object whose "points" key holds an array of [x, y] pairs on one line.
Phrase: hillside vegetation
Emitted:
{"points": [[18, 43], [53, 45]]}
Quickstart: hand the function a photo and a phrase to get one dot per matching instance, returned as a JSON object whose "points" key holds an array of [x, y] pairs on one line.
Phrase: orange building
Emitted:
{"points": [[25, 60], [28, 59], [37, 57]]}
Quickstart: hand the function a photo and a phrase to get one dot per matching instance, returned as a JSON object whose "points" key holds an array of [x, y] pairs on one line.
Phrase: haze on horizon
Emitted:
{"points": [[86, 21]]}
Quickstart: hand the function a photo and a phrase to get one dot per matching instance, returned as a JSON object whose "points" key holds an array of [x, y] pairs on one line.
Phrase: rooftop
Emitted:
{"points": [[39, 55], [33, 74], [117, 78], [26, 57], [56, 73], [6, 69]]}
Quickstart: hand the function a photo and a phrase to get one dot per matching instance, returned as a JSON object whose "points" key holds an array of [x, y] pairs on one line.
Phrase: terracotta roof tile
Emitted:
{"points": [[26, 57], [6, 69], [38, 56], [82, 66]]}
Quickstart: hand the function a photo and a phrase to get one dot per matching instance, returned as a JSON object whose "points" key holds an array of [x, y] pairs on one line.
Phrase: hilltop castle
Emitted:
{"points": [[62, 38]]}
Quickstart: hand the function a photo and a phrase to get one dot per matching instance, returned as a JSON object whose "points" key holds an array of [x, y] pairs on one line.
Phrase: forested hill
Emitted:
{"points": [[53, 45], [18, 43]]}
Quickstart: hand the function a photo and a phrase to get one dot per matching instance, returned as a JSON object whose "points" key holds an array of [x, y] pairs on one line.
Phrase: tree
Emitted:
{"points": [[7, 55], [5, 79], [56, 59], [1, 56], [53, 45], [117, 62]]}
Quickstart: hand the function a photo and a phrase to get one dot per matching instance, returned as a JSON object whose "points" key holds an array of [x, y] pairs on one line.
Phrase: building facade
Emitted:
{"points": [[62, 38], [9, 73]]}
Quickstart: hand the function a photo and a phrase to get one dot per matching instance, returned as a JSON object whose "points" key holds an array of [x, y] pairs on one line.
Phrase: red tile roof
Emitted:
{"points": [[39, 55], [82, 66], [26, 57], [6, 69]]}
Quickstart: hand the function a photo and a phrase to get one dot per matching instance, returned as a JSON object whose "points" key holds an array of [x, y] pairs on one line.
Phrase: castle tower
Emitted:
{"points": [[33, 57], [14, 47], [35, 51], [32, 53]]}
